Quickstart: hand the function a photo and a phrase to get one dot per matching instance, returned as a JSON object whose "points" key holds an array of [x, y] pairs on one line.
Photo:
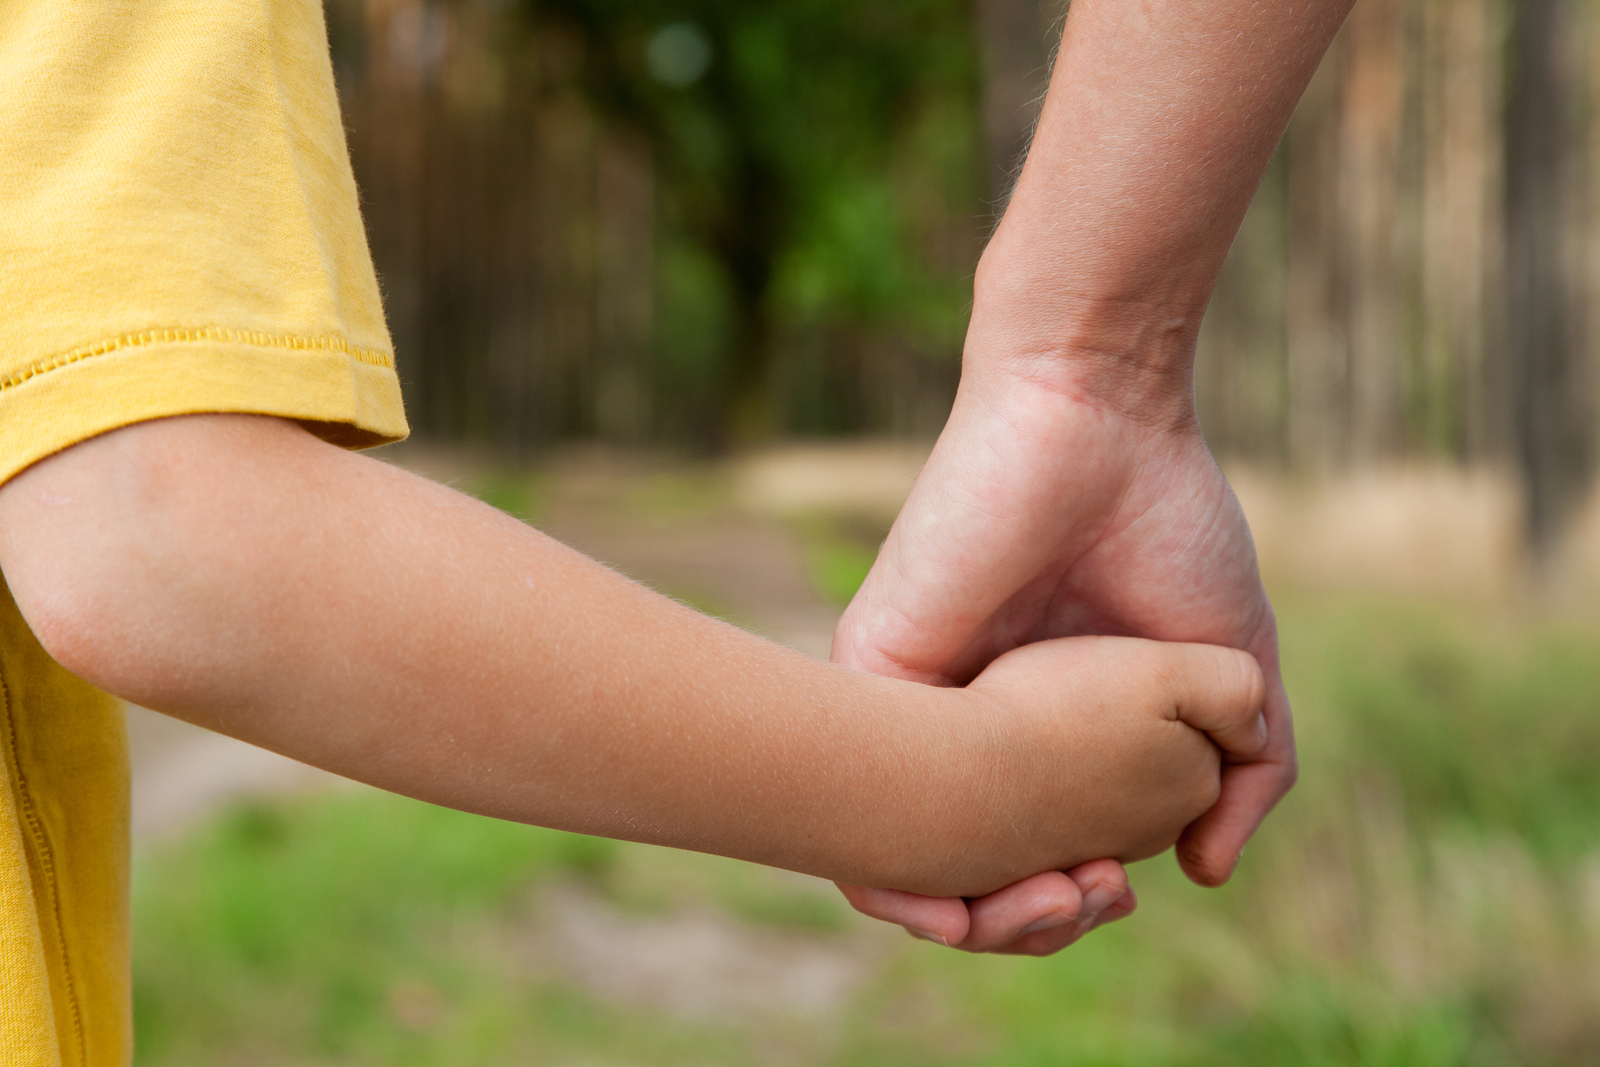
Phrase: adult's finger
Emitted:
{"points": [[1222, 692], [1047, 912], [1049, 942], [1046, 901], [943, 920], [1038, 916]]}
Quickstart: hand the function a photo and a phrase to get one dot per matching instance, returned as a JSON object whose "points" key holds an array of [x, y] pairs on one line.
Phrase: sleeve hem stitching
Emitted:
{"points": [[197, 335]]}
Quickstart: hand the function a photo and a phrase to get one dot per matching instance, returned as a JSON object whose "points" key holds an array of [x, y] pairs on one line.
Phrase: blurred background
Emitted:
{"points": [[684, 283]]}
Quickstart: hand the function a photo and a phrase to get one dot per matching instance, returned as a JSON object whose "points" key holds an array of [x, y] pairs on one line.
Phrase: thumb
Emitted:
{"points": [[871, 636], [1221, 692]]}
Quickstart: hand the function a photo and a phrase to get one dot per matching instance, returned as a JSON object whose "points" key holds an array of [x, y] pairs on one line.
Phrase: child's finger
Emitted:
{"points": [[1221, 692]]}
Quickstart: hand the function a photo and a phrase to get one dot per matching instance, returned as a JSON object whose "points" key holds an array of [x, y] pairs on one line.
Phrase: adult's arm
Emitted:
{"points": [[240, 573], [1071, 491]]}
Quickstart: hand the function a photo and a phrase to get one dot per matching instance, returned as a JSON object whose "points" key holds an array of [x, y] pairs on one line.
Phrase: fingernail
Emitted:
{"points": [[1101, 897], [1049, 922], [1085, 923], [1261, 729], [927, 936]]}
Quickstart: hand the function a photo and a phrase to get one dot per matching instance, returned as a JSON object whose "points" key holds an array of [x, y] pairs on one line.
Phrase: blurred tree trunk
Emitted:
{"points": [[1015, 42], [747, 242], [1241, 384], [1345, 299], [1369, 184], [1461, 413], [1389, 249], [1315, 290], [625, 289], [1553, 435]]}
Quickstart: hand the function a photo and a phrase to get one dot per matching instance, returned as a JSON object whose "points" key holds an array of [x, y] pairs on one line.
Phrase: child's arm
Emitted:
{"points": [[240, 573]]}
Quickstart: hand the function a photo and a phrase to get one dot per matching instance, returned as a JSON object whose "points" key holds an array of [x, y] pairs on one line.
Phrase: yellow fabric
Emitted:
{"points": [[177, 214], [179, 233], [63, 862]]}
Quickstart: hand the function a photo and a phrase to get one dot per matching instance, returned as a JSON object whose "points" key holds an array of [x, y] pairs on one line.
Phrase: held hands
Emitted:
{"points": [[1124, 739], [1043, 513], [1071, 492], [1078, 749]]}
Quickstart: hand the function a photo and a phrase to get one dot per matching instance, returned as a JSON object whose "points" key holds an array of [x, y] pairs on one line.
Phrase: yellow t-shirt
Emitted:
{"points": [[179, 233]]}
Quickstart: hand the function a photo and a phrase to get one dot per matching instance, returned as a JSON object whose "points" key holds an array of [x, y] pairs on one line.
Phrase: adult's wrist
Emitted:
{"points": [[1129, 351]]}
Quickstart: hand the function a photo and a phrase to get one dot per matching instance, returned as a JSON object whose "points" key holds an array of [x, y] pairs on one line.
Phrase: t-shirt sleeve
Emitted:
{"points": [[179, 225]]}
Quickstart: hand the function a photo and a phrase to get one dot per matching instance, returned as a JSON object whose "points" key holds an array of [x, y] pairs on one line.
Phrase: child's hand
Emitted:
{"points": [[1102, 747]]}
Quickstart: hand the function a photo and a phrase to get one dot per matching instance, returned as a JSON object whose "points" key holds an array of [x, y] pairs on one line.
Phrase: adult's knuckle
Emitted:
{"points": [[1191, 855], [1288, 775]]}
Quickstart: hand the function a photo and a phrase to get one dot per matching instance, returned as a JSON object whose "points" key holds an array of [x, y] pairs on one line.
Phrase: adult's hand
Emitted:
{"points": [[1071, 491], [1042, 514]]}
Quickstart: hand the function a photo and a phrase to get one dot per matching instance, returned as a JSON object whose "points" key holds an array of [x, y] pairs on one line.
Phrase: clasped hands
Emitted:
{"points": [[1066, 499]]}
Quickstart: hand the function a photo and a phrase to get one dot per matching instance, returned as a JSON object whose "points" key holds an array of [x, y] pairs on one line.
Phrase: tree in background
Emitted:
{"points": [[1552, 396], [707, 221], [814, 155], [1412, 280], [1017, 40]]}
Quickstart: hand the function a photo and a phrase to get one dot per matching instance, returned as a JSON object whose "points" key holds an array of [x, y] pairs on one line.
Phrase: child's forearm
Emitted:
{"points": [[239, 573]]}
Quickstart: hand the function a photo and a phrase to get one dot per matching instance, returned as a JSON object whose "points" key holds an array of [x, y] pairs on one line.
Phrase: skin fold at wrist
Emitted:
{"points": [[1130, 355]]}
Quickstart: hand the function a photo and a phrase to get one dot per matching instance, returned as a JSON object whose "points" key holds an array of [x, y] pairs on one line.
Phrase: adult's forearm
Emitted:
{"points": [[1160, 120], [236, 572]]}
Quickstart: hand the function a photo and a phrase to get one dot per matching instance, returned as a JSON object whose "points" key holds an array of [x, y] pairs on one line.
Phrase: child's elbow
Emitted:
{"points": [[87, 623], [114, 551], [55, 624], [101, 589]]}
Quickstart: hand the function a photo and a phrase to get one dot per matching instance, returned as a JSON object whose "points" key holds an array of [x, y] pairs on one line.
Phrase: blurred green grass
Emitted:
{"points": [[840, 550], [1430, 894], [517, 492]]}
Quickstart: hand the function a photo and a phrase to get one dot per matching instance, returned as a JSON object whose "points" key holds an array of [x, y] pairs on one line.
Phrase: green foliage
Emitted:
{"points": [[818, 166], [840, 550], [693, 331], [300, 916], [1487, 729], [838, 568], [517, 493]]}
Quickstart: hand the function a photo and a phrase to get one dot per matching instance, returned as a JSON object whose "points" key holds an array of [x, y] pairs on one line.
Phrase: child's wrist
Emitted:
{"points": [[957, 792]]}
